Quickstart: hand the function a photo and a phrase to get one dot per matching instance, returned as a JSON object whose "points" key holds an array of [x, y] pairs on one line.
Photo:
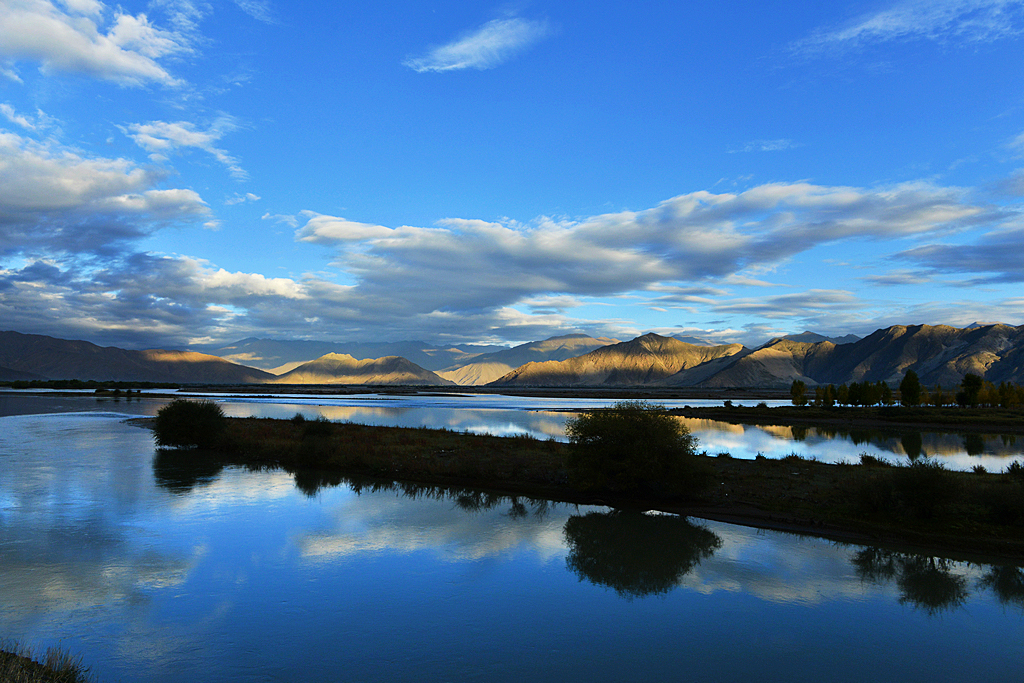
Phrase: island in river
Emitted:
{"points": [[919, 505]]}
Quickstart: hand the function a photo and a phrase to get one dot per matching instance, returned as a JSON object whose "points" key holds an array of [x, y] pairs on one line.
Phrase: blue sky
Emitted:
{"points": [[181, 172]]}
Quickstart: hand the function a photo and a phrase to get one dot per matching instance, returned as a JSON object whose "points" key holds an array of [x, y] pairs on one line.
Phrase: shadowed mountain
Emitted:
{"points": [[774, 365], [489, 367], [53, 358], [337, 368], [280, 356], [8, 375], [939, 354], [643, 360]]}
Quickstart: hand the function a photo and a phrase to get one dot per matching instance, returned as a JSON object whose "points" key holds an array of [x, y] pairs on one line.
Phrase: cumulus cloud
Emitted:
{"points": [[492, 44], [161, 138], [77, 37], [968, 21], [55, 199]]}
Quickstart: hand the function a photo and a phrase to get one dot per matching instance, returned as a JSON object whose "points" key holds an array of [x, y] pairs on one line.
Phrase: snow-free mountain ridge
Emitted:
{"points": [[939, 354]]}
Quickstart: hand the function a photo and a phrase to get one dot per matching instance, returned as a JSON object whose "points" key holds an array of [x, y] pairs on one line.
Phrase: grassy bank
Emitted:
{"points": [[19, 665], [870, 501]]}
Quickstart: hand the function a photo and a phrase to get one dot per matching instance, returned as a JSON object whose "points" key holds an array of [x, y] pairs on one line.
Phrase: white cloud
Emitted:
{"points": [[14, 117], [492, 44], [471, 269], [1017, 144], [330, 229], [77, 40], [458, 279], [161, 138], [257, 9], [779, 145], [54, 198], [802, 304], [995, 257], [937, 20], [291, 221], [241, 199]]}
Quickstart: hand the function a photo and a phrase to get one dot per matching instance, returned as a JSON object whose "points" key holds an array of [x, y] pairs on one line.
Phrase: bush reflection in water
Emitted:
{"points": [[634, 553]]}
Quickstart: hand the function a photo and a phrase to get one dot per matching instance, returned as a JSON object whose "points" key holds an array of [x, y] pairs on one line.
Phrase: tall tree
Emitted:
{"points": [[798, 393], [910, 389]]}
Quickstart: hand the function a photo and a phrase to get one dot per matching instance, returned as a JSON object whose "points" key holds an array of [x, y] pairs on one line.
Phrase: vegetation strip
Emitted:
{"points": [[872, 501]]}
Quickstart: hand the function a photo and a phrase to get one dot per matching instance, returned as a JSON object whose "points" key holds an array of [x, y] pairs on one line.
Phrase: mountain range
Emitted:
{"points": [[50, 358], [280, 356], [939, 354]]}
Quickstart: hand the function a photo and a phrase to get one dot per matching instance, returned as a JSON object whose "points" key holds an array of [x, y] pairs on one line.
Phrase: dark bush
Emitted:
{"points": [[321, 426], [924, 486], [633, 447], [190, 424]]}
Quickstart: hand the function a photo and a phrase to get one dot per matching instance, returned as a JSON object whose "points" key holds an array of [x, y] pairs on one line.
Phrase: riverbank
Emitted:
{"points": [[872, 502]]}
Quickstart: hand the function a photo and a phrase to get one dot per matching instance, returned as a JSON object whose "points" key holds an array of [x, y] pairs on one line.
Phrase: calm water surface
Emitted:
{"points": [[544, 418], [159, 572]]}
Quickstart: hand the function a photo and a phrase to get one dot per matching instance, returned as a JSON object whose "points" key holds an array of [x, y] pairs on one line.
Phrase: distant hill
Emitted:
{"points": [[336, 368], [814, 338], [696, 341], [644, 360], [53, 358], [279, 356], [489, 367]]}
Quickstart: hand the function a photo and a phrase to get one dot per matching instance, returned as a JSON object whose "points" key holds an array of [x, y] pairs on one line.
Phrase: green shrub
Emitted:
{"points": [[634, 447], [190, 424]]}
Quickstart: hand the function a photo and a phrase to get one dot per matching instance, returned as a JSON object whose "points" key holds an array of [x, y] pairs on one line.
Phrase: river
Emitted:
{"points": [[153, 570]]}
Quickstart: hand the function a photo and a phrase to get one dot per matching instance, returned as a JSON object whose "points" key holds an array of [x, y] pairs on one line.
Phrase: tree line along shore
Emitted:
{"points": [[872, 501]]}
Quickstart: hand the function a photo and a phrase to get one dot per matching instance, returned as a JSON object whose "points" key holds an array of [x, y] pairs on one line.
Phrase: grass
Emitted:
{"points": [[19, 665], [416, 454]]}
